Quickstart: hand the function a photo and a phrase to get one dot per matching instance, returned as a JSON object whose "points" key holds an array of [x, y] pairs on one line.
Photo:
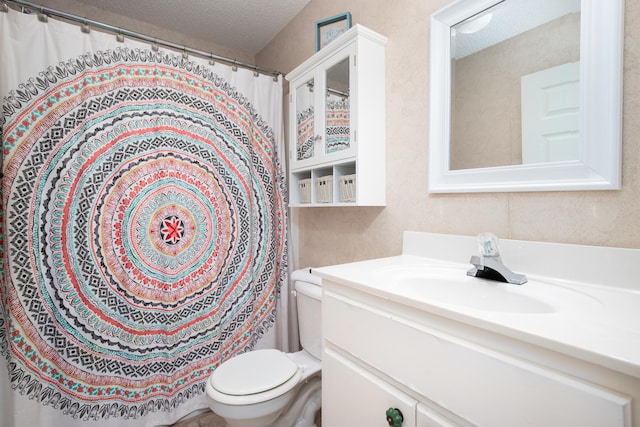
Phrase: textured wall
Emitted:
{"points": [[336, 235]]}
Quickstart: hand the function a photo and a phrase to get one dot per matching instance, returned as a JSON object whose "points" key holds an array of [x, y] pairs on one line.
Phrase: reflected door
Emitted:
{"points": [[551, 114]]}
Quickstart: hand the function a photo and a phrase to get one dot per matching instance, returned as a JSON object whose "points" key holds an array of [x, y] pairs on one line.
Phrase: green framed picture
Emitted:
{"points": [[327, 30]]}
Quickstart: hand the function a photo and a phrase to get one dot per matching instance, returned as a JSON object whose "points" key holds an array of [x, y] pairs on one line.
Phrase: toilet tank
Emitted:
{"points": [[309, 303]]}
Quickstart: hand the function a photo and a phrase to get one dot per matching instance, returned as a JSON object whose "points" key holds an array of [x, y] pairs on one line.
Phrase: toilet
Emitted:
{"points": [[270, 388]]}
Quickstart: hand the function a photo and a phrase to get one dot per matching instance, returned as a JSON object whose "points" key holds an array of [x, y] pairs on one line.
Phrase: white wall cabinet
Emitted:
{"points": [[337, 123], [439, 372]]}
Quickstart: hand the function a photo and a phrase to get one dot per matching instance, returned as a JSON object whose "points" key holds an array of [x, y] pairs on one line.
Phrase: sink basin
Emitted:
{"points": [[451, 286]]}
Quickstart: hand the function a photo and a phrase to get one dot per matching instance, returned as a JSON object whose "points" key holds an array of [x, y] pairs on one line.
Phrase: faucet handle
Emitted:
{"points": [[488, 245]]}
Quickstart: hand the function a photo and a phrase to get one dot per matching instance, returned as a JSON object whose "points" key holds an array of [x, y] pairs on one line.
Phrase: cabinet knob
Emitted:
{"points": [[394, 417]]}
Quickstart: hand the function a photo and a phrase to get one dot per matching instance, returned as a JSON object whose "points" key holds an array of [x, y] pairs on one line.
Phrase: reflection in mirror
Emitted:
{"points": [[304, 117], [498, 60], [337, 124], [499, 103]]}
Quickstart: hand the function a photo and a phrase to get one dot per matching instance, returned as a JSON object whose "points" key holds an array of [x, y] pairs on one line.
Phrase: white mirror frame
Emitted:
{"points": [[601, 43]]}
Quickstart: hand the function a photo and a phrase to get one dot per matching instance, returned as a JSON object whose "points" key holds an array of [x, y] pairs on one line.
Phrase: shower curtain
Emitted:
{"points": [[143, 225]]}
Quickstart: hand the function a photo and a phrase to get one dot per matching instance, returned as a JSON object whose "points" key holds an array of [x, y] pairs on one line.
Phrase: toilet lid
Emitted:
{"points": [[253, 372]]}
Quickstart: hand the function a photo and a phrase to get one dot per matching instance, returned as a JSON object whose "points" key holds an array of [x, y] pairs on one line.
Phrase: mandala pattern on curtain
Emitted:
{"points": [[143, 232]]}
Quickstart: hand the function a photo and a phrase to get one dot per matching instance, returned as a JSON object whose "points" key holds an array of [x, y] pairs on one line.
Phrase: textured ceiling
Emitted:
{"points": [[243, 25]]}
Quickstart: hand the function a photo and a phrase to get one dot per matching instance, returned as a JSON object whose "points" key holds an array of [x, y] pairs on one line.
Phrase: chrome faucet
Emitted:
{"points": [[489, 264]]}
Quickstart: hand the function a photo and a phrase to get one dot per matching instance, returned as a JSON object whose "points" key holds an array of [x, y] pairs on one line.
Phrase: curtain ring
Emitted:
{"points": [[42, 17]]}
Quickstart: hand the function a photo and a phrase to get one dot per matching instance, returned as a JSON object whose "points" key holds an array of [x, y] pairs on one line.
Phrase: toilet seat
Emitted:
{"points": [[254, 376]]}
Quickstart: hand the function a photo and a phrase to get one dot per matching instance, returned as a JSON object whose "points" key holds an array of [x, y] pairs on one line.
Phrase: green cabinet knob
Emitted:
{"points": [[394, 417]]}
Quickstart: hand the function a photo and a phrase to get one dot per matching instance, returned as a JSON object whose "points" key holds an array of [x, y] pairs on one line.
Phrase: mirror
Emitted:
{"points": [[334, 108], [521, 104], [337, 125], [495, 56], [305, 137]]}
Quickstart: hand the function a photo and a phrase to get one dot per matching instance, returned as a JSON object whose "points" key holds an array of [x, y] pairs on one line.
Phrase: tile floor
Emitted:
{"points": [[209, 419]]}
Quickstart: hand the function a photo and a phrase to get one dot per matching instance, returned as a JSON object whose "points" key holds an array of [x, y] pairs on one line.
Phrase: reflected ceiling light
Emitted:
{"points": [[474, 25]]}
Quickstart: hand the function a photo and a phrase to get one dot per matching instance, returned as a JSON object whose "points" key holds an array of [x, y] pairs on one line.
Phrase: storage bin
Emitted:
{"points": [[324, 189], [304, 187], [347, 185]]}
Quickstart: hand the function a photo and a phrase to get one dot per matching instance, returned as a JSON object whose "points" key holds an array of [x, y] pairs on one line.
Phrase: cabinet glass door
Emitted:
{"points": [[305, 126], [337, 108]]}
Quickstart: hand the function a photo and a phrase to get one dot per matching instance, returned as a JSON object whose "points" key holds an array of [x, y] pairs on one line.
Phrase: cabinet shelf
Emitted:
{"points": [[337, 124], [307, 185]]}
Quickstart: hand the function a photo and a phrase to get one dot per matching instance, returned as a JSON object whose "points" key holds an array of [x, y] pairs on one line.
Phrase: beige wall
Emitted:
{"points": [[336, 235]]}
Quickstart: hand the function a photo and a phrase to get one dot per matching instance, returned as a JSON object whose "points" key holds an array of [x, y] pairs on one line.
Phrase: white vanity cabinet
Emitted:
{"points": [[337, 123], [369, 397], [380, 353]]}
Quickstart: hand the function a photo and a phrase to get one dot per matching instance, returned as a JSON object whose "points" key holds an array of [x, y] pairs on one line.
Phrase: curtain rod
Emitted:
{"points": [[43, 12]]}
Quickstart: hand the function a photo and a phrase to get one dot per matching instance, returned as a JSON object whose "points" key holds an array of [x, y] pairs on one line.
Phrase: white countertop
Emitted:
{"points": [[590, 321]]}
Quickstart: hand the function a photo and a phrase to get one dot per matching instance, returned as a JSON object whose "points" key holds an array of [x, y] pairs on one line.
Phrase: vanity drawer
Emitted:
{"points": [[351, 396], [478, 384]]}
